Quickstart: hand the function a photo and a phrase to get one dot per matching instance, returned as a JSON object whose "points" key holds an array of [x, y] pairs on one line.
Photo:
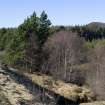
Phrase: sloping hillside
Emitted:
{"points": [[96, 25]]}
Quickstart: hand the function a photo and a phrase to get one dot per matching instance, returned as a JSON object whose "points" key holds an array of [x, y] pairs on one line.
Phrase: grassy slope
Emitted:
{"points": [[69, 91]]}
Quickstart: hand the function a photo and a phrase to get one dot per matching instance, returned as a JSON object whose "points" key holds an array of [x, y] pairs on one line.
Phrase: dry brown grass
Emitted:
{"points": [[94, 103], [69, 91]]}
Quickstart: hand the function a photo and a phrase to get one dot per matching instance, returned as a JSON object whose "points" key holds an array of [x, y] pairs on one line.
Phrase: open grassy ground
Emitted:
{"points": [[12, 92]]}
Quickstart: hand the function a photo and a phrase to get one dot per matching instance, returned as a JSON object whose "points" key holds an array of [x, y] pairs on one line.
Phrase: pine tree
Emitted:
{"points": [[44, 26]]}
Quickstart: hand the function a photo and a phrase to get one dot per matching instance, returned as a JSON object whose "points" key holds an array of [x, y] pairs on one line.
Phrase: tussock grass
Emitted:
{"points": [[67, 90], [94, 103]]}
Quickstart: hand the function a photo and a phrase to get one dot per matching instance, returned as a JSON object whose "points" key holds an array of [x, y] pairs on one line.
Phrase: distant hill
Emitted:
{"points": [[96, 25]]}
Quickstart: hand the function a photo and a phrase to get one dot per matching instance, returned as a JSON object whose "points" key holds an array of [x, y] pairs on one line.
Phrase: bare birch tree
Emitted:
{"points": [[96, 74], [64, 50]]}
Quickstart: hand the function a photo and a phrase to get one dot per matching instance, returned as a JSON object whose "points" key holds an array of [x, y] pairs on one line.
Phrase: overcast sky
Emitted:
{"points": [[60, 12]]}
